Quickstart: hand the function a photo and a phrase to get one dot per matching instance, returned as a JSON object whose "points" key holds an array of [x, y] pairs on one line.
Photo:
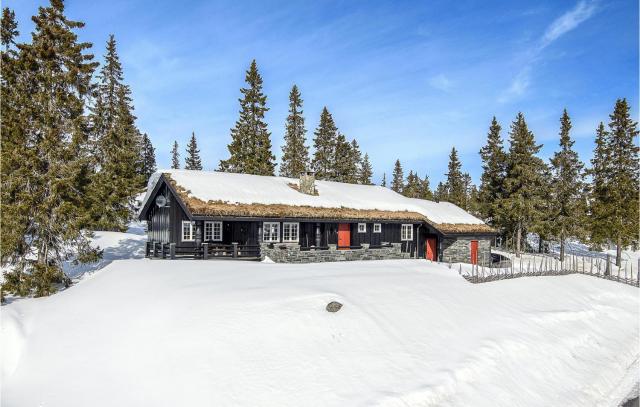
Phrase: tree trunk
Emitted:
{"points": [[518, 235], [561, 249], [540, 243], [619, 253]]}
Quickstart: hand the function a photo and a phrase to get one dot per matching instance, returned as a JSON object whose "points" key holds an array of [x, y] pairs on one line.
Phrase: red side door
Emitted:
{"points": [[344, 234], [474, 252], [430, 249]]}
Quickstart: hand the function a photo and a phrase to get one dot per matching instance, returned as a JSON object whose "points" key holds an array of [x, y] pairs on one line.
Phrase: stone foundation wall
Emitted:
{"points": [[458, 250], [291, 253]]}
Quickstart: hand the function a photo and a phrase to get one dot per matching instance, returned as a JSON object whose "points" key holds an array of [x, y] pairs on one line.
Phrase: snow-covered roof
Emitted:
{"points": [[203, 190]]}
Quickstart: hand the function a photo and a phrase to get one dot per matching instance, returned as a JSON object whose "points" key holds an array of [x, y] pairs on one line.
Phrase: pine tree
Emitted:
{"points": [[456, 193], [366, 171], [567, 188], [598, 190], [397, 184], [175, 156], [384, 180], [16, 199], [413, 186], [425, 189], [473, 201], [524, 183], [118, 149], [192, 160], [149, 156], [615, 177], [54, 72], [441, 193], [469, 189], [342, 165], [492, 179], [295, 154], [250, 147], [324, 143], [355, 162]]}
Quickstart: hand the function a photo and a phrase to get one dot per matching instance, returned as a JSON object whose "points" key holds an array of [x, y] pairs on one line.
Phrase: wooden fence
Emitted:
{"points": [[545, 265]]}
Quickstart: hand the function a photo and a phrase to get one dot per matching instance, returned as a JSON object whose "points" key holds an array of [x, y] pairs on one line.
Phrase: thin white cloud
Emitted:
{"points": [[567, 22], [440, 82]]}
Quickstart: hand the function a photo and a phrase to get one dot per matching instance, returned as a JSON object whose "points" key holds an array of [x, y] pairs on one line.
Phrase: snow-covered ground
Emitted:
{"points": [[226, 333], [114, 246]]}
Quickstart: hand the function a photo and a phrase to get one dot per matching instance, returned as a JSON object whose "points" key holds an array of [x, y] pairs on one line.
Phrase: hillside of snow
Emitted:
{"points": [[234, 333]]}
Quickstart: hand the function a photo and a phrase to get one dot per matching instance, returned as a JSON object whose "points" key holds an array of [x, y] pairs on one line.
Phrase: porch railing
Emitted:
{"points": [[203, 251]]}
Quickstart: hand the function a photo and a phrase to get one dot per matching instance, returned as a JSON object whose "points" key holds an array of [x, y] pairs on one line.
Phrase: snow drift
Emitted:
{"points": [[410, 333]]}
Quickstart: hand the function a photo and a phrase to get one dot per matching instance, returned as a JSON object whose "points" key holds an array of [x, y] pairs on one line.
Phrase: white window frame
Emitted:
{"points": [[362, 228], [290, 225], [191, 237], [377, 228], [269, 237], [216, 229], [406, 232]]}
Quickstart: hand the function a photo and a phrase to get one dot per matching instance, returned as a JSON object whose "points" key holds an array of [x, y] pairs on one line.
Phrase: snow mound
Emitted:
{"points": [[411, 333]]}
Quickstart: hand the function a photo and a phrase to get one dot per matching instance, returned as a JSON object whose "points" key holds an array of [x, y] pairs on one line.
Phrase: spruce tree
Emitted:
{"points": [[355, 162], [344, 168], [149, 156], [295, 154], [598, 189], [567, 188], [469, 189], [615, 177], [383, 183], [425, 189], [441, 193], [366, 171], [54, 72], [175, 156], [16, 199], [456, 193], [397, 184], [492, 179], [118, 149], [524, 183], [413, 186], [192, 160], [324, 143], [250, 147]]}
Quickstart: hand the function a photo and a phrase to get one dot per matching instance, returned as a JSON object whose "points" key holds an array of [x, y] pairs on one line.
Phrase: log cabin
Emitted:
{"points": [[209, 214]]}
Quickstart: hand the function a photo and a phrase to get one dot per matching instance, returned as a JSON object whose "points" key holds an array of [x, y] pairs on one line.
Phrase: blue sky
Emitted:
{"points": [[408, 80]]}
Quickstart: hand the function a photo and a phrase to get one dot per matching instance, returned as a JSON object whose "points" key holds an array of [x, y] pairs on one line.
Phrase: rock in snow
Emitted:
{"points": [[334, 306]]}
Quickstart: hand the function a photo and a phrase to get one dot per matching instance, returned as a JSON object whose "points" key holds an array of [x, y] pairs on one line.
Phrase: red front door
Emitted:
{"points": [[344, 235], [474, 252], [430, 250]]}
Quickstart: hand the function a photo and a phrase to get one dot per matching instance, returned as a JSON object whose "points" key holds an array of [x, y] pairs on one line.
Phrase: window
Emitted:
{"points": [[213, 231], [270, 232], [406, 232], [187, 231], [362, 227], [290, 232], [377, 228]]}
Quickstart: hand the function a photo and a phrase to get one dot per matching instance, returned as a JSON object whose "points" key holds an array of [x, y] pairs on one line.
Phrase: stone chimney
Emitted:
{"points": [[307, 183]]}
